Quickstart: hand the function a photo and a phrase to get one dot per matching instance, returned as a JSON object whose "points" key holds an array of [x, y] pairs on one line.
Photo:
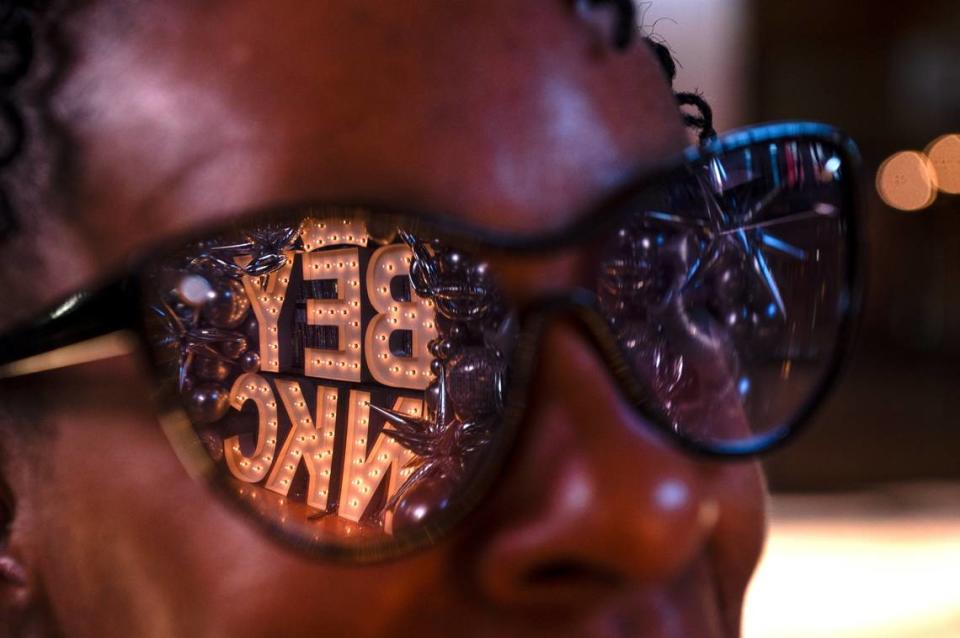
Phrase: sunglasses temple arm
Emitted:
{"points": [[72, 332]]}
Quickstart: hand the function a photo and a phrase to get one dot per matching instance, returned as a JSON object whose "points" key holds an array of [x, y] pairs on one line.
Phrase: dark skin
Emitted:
{"points": [[512, 115]]}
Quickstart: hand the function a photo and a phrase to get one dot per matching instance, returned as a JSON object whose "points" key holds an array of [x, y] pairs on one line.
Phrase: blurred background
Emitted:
{"points": [[865, 527]]}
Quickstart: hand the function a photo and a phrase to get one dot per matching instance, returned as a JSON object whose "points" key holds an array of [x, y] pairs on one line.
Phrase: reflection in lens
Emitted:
{"points": [[727, 294], [346, 389]]}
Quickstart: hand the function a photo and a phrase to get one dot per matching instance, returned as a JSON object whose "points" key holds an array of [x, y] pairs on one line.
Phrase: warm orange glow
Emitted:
{"points": [[317, 233], [836, 567], [306, 443], [266, 296], [342, 266], [363, 472], [944, 154], [416, 316], [907, 181], [253, 468]]}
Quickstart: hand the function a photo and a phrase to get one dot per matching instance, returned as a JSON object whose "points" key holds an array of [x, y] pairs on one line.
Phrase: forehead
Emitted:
{"points": [[513, 114]]}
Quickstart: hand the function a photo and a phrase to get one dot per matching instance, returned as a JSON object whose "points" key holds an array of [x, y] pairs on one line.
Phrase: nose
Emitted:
{"points": [[595, 503]]}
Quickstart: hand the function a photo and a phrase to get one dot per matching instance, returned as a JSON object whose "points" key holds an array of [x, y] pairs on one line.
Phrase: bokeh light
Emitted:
{"points": [[907, 181], [944, 154]]}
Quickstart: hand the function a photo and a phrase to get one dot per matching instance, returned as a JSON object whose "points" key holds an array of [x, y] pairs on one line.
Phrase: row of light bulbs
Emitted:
{"points": [[311, 441]]}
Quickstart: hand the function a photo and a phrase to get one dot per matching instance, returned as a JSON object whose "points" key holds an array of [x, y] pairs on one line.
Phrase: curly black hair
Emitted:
{"points": [[626, 30], [16, 56], [24, 24], [31, 138]]}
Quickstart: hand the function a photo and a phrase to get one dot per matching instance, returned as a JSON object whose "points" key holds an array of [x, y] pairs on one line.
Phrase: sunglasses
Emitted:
{"points": [[353, 377]]}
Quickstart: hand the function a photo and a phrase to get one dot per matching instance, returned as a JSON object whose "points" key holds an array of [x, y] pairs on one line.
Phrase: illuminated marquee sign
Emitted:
{"points": [[332, 375], [374, 331]]}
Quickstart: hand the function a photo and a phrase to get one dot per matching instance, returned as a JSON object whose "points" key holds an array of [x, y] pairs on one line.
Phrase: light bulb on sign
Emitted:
{"points": [[323, 232], [306, 443], [343, 267], [393, 315], [253, 387], [362, 471], [267, 294]]}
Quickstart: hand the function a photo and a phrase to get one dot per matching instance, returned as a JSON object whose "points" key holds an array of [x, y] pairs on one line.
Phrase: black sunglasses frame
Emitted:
{"points": [[117, 307]]}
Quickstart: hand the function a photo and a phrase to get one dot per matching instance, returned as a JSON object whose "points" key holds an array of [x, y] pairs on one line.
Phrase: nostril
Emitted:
{"points": [[572, 573]]}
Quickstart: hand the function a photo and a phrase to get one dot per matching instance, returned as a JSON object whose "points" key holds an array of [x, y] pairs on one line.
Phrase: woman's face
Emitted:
{"points": [[508, 114]]}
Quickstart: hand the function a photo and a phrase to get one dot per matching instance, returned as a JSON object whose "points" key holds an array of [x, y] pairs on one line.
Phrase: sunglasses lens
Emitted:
{"points": [[729, 289], [341, 376], [341, 382]]}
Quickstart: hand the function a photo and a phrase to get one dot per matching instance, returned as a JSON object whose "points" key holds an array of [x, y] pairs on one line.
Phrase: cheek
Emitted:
{"points": [[129, 535], [740, 533]]}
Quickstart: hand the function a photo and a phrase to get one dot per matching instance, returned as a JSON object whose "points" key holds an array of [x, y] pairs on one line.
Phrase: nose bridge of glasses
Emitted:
{"points": [[528, 279], [576, 316], [577, 309], [581, 318]]}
